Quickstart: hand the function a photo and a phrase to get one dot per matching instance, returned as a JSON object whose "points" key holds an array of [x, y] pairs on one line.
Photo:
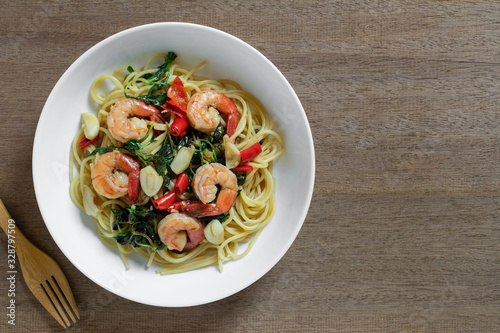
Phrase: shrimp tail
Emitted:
{"points": [[133, 187], [224, 203], [194, 238], [232, 123], [157, 117], [227, 106], [198, 209], [130, 165]]}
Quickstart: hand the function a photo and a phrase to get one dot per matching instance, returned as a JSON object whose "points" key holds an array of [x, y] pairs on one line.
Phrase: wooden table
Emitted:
{"points": [[402, 97]]}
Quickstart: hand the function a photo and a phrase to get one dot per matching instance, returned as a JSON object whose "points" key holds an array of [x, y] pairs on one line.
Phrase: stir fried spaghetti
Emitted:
{"points": [[174, 166]]}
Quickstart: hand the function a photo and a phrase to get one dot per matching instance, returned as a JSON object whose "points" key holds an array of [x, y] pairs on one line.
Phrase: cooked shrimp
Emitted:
{"points": [[180, 232], [204, 186], [202, 114], [116, 174], [124, 120]]}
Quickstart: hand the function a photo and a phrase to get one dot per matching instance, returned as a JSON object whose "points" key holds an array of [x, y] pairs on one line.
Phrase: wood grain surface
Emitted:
{"points": [[403, 232]]}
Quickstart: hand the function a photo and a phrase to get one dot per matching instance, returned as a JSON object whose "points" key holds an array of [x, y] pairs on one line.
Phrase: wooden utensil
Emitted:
{"points": [[41, 273]]}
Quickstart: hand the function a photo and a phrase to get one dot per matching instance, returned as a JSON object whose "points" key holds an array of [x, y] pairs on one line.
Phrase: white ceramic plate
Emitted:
{"points": [[75, 233]]}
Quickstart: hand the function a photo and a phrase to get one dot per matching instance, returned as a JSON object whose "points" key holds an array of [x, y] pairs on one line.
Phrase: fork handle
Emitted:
{"points": [[16, 235]]}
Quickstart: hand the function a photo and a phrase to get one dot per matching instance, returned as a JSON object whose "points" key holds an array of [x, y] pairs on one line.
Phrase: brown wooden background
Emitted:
{"points": [[403, 233]]}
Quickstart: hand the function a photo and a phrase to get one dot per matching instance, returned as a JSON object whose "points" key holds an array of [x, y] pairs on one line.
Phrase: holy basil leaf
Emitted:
{"points": [[121, 215], [163, 159], [142, 231], [138, 227], [163, 68], [158, 83], [166, 148], [120, 226], [123, 238], [140, 241], [102, 150], [241, 177], [221, 218], [183, 142], [143, 228], [144, 211], [132, 145], [157, 100], [163, 169], [218, 133]]}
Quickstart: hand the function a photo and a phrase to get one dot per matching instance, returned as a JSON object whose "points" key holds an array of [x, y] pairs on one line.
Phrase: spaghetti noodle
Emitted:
{"points": [[133, 226]]}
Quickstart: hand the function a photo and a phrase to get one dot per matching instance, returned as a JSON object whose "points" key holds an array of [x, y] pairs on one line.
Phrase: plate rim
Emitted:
{"points": [[81, 58]]}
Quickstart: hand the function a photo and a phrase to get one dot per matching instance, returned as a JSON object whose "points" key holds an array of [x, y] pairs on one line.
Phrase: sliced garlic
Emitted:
{"points": [[88, 201], [182, 159], [150, 180], [214, 232], [90, 125], [231, 153]]}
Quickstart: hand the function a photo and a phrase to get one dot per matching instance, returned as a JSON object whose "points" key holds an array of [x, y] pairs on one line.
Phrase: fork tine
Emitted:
{"points": [[43, 298], [63, 285], [48, 289], [62, 298]]}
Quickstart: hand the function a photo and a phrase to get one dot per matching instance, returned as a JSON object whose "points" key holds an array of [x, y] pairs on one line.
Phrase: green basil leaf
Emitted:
{"points": [[102, 150], [132, 145], [163, 68], [123, 238]]}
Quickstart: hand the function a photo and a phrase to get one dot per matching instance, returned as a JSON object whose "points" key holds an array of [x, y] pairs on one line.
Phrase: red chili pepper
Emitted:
{"points": [[174, 108], [178, 127], [176, 205], [181, 184], [86, 142], [242, 168], [178, 98], [177, 93], [248, 154], [165, 201]]}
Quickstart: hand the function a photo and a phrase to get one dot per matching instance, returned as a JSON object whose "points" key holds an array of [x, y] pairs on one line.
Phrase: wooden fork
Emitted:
{"points": [[41, 273]]}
